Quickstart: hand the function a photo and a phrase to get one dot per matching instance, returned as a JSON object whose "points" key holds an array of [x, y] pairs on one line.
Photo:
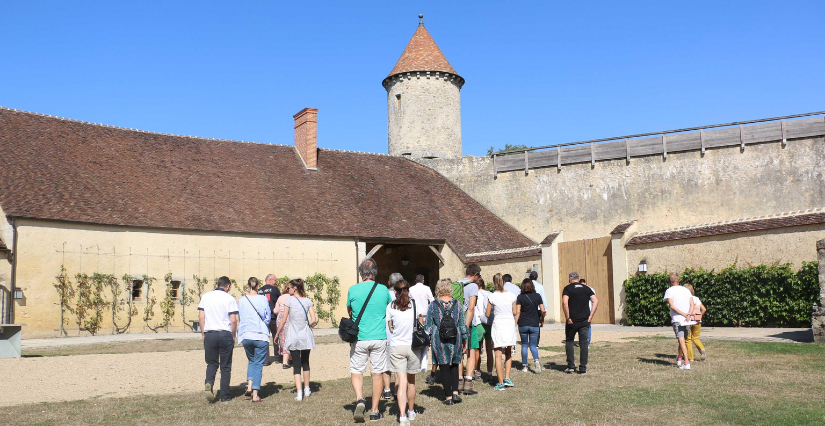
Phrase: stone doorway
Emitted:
{"points": [[407, 259]]}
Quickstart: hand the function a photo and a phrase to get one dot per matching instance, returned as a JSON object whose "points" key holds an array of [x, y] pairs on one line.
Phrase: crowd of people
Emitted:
{"points": [[405, 329]]}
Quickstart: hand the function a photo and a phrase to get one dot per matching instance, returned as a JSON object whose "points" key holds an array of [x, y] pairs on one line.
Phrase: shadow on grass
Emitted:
{"points": [[554, 366], [654, 361]]}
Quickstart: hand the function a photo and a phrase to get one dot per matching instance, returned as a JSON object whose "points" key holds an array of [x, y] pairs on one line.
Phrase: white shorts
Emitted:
{"points": [[403, 359], [373, 350]]}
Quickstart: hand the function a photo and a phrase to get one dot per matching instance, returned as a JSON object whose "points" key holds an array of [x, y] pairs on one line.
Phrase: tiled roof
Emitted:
{"points": [[69, 170], [550, 238], [422, 54], [622, 227], [784, 220]]}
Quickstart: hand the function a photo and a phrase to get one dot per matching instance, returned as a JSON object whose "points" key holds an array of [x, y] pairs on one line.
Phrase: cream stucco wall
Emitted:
{"points": [[44, 246], [787, 245], [454, 268]]}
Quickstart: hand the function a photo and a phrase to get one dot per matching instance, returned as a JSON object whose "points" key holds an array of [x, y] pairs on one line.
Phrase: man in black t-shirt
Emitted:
{"points": [[576, 300], [270, 290]]}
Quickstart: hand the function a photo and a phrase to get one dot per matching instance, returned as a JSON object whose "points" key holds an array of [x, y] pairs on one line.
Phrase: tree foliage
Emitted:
{"points": [[507, 147], [754, 296]]}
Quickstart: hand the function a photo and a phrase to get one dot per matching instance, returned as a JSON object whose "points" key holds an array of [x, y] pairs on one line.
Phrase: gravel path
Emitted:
{"points": [[64, 378]]}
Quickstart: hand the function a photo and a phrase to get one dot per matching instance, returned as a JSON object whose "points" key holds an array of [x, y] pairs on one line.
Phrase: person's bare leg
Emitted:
{"points": [[472, 356], [401, 381], [683, 350], [499, 370], [377, 388], [255, 396], [357, 385], [387, 379], [306, 378], [508, 361], [410, 392]]}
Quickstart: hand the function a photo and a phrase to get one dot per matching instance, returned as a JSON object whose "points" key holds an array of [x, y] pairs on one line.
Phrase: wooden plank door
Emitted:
{"points": [[593, 260]]}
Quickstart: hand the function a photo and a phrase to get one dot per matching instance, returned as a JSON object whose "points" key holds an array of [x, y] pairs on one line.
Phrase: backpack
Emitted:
{"points": [[447, 329], [458, 292]]}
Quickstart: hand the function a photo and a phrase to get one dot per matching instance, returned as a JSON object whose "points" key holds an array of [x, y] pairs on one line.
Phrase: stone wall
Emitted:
{"points": [[818, 320], [428, 122], [684, 189]]}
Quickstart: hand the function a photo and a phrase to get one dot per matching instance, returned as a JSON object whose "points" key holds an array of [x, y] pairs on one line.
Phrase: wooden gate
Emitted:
{"points": [[593, 260]]}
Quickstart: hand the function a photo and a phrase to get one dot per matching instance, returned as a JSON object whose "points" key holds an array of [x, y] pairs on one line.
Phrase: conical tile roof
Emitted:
{"points": [[422, 54]]}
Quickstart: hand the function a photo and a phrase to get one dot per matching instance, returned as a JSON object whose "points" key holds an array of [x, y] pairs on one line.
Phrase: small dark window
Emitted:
{"points": [[137, 289], [398, 102], [174, 289]]}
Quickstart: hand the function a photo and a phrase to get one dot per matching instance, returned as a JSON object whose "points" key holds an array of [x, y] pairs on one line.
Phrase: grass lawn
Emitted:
{"points": [[634, 383]]}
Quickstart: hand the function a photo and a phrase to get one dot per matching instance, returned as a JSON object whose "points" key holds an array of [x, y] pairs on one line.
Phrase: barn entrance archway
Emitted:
{"points": [[407, 259], [593, 260]]}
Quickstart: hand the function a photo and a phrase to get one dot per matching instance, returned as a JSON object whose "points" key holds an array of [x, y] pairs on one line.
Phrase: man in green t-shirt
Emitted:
{"points": [[372, 337]]}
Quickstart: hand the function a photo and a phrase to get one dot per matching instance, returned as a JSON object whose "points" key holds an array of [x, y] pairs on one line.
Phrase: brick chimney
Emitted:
{"points": [[306, 136]]}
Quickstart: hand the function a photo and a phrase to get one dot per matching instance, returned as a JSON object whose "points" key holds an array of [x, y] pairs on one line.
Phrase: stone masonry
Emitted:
{"points": [[818, 320]]}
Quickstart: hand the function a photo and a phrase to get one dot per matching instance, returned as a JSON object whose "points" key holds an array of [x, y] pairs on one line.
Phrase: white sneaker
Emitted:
{"points": [[411, 415], [678, 362], [537, 367], [524, 369], [684, 367], [703, 356]]}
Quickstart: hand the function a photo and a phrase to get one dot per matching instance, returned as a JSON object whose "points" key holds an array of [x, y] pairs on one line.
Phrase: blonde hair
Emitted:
{"points": [[690, 287], [498, 282], [444, 287]]}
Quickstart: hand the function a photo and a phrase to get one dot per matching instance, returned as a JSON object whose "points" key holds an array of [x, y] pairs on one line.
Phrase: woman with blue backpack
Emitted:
{"points": [[448, 331]]}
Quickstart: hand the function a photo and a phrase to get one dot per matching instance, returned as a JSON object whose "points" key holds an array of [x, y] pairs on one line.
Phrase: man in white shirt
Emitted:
{"points": [[534, 276], [509, 286], [681, 305], [423, 296], [218, 319]]}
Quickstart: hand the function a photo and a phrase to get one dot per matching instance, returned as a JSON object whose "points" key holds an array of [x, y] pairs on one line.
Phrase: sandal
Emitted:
{"points": [[257, 400]]}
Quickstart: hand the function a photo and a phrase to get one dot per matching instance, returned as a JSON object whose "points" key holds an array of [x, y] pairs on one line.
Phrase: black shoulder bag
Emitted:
{"points": [[420, 338], [348, 329]]}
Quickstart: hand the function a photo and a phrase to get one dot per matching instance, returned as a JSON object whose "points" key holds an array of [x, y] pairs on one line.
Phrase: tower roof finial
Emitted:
{"points": [[420, 19]]}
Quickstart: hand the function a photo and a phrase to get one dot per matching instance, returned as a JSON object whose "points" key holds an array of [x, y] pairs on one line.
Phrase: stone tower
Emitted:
{"points": [[424, 101]]}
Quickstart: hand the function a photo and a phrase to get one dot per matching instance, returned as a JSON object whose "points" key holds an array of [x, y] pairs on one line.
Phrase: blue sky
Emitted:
{"points": [[537, 72]]}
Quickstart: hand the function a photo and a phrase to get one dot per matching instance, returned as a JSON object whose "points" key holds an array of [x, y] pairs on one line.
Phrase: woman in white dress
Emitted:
{"points": [[298, 318], [501, 305]]}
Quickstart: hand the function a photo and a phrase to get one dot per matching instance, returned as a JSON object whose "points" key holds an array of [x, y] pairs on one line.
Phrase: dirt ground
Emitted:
{"points": [[77, 377]]}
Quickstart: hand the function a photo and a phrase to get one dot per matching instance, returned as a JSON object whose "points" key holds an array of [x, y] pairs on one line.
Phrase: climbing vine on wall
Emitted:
{"points": [[151, 301], [326, 293], [65, 293], [122, 304]]}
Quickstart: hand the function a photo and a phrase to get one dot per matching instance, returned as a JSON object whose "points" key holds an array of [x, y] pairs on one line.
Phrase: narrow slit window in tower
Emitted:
{"points": [[398, 102]]}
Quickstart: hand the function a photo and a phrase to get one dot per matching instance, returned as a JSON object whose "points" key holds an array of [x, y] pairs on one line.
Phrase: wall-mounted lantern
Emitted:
{"points": [[405, 260], [18, 294], [643, 266]]}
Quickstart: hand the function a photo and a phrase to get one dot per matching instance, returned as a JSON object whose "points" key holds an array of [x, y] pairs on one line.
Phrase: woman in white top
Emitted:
{"points": [[299, 318], [404, 362], [501, 304], [696, 329]]}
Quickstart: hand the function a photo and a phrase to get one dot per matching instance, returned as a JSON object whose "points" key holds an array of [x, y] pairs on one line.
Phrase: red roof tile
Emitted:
{"points": [[745, 225], [61, 169], [422, 54]]}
